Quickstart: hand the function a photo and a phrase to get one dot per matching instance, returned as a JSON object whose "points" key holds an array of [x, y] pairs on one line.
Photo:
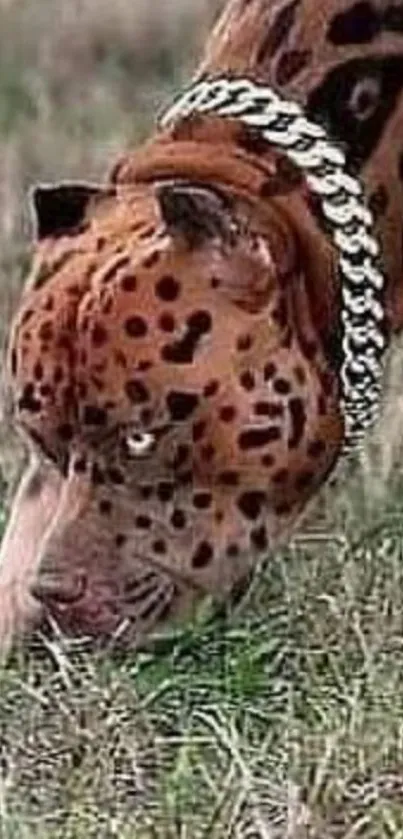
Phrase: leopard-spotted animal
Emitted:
{"points": [[175, 358]]}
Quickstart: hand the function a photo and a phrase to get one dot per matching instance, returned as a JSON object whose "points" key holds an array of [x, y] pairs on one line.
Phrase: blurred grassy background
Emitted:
{"points": [[79, 81], [287, 721]]}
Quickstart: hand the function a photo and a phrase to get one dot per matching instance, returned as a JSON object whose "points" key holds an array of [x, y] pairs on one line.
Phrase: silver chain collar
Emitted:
{"points": [[283, 124]]}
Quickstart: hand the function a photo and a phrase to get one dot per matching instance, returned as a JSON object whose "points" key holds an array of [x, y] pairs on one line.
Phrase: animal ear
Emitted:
{"points": [[195, 213], [59, 210]]}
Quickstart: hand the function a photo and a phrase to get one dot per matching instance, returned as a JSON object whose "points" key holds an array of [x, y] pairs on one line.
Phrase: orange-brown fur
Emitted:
{"points": [[195, 296]]}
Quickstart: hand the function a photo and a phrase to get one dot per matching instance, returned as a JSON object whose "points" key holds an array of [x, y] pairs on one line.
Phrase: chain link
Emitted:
{"points": [[283, 124]]}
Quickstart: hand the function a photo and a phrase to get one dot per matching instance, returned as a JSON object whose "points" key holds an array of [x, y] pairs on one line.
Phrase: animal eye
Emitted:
{"points": [[139, 444], [365, 97]]}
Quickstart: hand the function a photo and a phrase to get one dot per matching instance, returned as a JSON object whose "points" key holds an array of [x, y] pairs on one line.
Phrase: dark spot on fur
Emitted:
{"points": [[143, 522], [316, 448], [28, 401], [92, 415], [207, 453], [136, 327], [146, 491], [146, 417], [167, 289], [304, 480], [280, 313], [247, 380], [181, 456], [178, 519], [233, 550], [106, 307], [26, 316], [300, 375], [298, 421], [255, 438], [120, 540], [282, 509], [269, 371], [227, 413], [244, 343], [99, 335], [181, 405], [167, 322], [290, 64], [144, 365], [151, 260], [360, 24], [229, 478], [203, 555], [199, 323], [38, 371], [269, 409], [13, 362], [183, 351], [268, 461], [97, 475], [215, 282], [250, 504], [198, 431], [65, 432], [281, 476], [258, 538], [281, 386], [128, 283], [165, 491], [137, 392], [211, 389], [202, 500], [185, 478], [159, 547], [45, 331], [80, 465], [115, 476], [105, 507]]}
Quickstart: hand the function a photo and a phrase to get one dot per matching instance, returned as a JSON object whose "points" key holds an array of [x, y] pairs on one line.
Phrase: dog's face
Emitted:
{"points": [[159, 360]]}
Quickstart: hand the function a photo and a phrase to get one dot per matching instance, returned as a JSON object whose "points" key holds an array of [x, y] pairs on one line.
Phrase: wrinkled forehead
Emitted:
{"points": [[158, 312]]}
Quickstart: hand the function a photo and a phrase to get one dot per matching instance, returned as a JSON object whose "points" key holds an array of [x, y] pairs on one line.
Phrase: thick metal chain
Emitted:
{"points": [[283, 124]]}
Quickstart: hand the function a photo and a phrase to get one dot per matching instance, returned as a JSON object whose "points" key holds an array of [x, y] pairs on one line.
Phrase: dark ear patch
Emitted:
{"points": [[194, 212], [60, 209]]}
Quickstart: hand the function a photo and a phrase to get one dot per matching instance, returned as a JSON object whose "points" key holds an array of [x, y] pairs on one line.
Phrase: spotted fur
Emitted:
{"points": [[175, 355]]}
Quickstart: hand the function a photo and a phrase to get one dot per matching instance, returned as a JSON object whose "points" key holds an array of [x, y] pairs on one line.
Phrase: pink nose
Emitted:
{"points": [[53, 587]]}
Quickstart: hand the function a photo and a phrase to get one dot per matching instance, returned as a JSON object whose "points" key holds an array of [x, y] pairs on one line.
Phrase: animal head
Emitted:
{"points": [[167, 357]]}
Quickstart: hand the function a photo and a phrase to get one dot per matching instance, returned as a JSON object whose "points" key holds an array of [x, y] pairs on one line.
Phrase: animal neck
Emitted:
{"points": [[353, 86]]}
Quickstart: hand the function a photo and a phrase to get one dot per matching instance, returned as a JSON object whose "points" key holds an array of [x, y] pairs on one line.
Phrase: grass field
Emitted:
{"points": [[282, 720]]}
